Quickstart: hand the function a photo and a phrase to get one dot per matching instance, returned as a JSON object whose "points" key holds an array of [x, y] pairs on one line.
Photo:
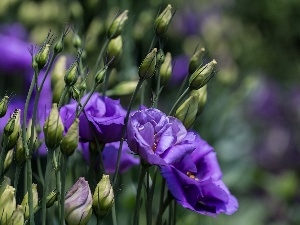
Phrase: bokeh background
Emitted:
{"points": [[252, 115]]}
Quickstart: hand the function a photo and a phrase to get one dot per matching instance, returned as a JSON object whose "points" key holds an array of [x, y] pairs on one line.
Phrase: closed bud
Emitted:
{"points": [[187, 112], [3, 106], [166, 69], [196, 60], [100, 75], [77, 41], [201, 95], [53, 128], [6, 182], [78, 203], [160, 57], [7, 204], [202, 75], [12, 129], [162, 22], [123, 88], [41, 58], [57, 78], [35, 134], [75, 93], [103, 197], [17, 216], [51, 198], [117, 25], [71, 74], [148, 66], [20, 152], [114, 50], [70, 141], [25, 201], [8, 160], [59, 46]]}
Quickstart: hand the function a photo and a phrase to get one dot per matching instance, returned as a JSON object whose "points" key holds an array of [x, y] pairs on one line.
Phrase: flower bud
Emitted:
{"points": [[20, 152], [3, 106], [202, 75], [51, 198], [7, 204], [187, 112], [160, 57], [17, 216], [41, 58], [166, 69], [114, 50], [78, 203], [201, 94], [123, 88], [8, 159], [6, 182], [162, 22], [70, 141], [196, 60], [53, 128], [103, 198], [148, 66], [99, 77], [57, 77], [59, 46], [71, 75], [25, 201], [35, 134], [12, 129], [117, 25], [77, 41], [75, 93]]}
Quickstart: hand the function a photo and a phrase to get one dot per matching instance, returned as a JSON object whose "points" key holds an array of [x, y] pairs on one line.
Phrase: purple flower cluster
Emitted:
{"points": [[188, 164]]}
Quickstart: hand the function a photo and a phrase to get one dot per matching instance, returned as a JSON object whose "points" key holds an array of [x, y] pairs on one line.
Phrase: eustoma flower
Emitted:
{"points": [[104, 118], [157, 138], [196, 182]]}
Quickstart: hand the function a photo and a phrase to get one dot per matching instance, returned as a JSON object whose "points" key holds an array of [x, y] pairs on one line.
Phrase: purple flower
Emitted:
{"points": [[104, 118], [196, 182], [180, 70], [110, 154], [157, 138]]}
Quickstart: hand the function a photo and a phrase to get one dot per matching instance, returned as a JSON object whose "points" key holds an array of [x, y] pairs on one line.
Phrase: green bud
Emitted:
{"points": [[196, 60], [8, 160], [53, 129], [17, 216], [77, 41], [103, 197], [201, 94], [123, 88], [166, 69], [7, 204], [59, 46], [51, 198], [114, 50], [25, 201], [70, 141], [35, 134], [71, 75], [75, 93], [160, 57], [202, 75], [57, 78], [12, 129], [148, 66], [41, 58], [3, 106], [117, 25], [20, 152], [162, 22], [6, 182], [99, 77], [187, 112]]}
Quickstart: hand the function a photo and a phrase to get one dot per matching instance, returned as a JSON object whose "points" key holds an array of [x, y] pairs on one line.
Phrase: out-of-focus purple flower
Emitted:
{"points": [[187, 22], [157, 138], [180, 69], [78, 203], [104, 118], [196, 182], [110, 154]]}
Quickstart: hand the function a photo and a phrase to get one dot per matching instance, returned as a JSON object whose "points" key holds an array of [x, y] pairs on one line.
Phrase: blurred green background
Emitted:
{"points": [[252, 115]]}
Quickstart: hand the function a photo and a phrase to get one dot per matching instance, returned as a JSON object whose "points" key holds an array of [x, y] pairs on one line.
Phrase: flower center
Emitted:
{"points": [[191, 175]]}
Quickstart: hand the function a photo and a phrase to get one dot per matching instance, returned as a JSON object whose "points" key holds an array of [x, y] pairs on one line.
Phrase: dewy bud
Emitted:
{"points": [[114, 49], [3, 106], [51, 198], [12, 129], [162, 22], [148, 66], [71, 75], [7, 204], [8, 160], [25, 201], [17, 216], [70, 141], [117, 25], [196, 60], [202, 75], [78, 203], [53, 128], [103, 198], [41, 58], [166, 69], [201, 95], [187, 112]]}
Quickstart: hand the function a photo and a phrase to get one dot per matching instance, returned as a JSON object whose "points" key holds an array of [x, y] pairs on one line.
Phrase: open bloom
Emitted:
{"points": [[157, 138], [104, 118], [196, 182]]}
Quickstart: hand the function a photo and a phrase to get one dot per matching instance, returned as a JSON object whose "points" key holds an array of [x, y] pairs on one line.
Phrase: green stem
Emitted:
{"points": [[63, 96], [2, 156], [138, 195], [114, 215], [17, 176], [178, 101], [64, 162], [139, 84], [100, 55], [106, 77], [86, 101], [161, 200]]}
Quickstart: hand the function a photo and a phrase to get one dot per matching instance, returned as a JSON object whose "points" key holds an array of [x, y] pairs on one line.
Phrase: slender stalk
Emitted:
{"points": [[138, 195], [139, 84], [2, 156], [106, 77], [17, 176], [149, 200], [100, 55], [86, 101], [178, 101], [64, 162], [114, 215], [39, 168], [161, 200]]}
